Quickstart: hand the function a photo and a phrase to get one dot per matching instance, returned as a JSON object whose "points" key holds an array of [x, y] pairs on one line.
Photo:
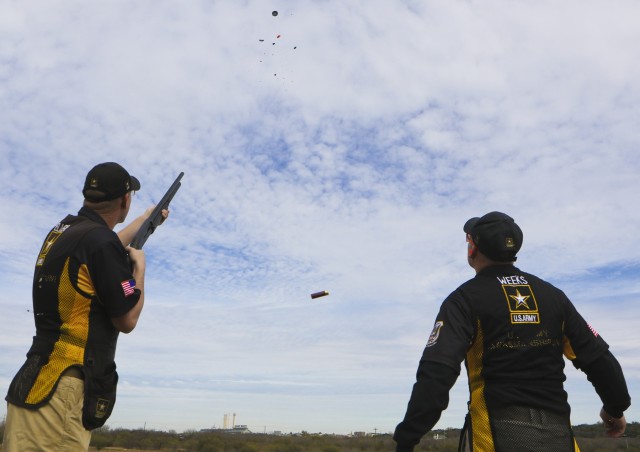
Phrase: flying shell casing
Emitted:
{"points": [[319, 294]]}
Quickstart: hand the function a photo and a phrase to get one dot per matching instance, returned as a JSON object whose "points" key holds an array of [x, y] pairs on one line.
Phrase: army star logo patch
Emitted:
{"points": [[523, 307], [101, 408]]}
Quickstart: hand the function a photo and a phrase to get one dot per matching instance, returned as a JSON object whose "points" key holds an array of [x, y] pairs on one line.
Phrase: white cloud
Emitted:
{"points": [[352, 169]]}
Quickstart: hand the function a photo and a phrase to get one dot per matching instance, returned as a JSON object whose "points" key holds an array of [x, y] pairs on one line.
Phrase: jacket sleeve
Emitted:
{"points": [[605, 374], [429, 397]]}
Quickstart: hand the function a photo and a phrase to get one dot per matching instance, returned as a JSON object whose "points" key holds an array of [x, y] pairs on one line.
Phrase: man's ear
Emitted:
{"points": [[472, 249], [123, 201]]}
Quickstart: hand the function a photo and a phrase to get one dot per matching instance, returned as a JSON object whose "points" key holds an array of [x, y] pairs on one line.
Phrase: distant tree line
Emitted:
{"points": [[591, 438]]}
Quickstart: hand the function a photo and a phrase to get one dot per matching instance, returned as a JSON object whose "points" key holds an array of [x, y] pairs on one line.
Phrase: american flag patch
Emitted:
{"points": [[127, 286], [593, 330]]}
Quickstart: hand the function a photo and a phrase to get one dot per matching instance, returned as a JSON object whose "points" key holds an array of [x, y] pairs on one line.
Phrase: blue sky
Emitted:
{"points": [[344, 155]]}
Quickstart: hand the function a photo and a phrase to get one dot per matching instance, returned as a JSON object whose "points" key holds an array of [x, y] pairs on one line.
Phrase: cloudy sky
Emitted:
{"points": [[339, 146]]}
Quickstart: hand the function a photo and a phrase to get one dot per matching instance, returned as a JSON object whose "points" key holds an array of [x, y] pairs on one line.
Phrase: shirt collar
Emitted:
{"points": [[498, 269], [92, 215]]}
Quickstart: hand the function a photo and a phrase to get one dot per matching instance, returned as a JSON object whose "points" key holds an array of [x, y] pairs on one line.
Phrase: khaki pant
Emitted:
{"points": [[54, 427]]}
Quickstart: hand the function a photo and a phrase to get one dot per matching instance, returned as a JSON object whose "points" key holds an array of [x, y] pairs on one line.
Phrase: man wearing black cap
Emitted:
{"points": [[511, 329], [85, 291]]}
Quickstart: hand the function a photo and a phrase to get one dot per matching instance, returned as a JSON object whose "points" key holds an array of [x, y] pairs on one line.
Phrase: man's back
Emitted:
{"points": [[511, 329], [521, 327]]}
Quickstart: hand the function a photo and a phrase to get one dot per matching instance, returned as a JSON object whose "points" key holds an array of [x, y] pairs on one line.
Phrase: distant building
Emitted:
{"points": [[238, 429], [229, 426], [234, 430]]}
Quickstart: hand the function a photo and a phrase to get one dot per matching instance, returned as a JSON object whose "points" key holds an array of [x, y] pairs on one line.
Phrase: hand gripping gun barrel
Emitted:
{"points": [[155, 218]]}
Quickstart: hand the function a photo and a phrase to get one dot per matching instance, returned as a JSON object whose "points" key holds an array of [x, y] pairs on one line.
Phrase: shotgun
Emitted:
{"points": [[154, 220]]}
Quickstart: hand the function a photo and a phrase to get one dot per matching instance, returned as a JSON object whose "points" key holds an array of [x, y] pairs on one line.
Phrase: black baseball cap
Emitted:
{"points": [[496, 234], [107, 181]]}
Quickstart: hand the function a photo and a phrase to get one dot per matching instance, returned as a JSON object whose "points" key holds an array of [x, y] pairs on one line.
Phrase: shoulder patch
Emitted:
{"points": [[435, 333]]}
